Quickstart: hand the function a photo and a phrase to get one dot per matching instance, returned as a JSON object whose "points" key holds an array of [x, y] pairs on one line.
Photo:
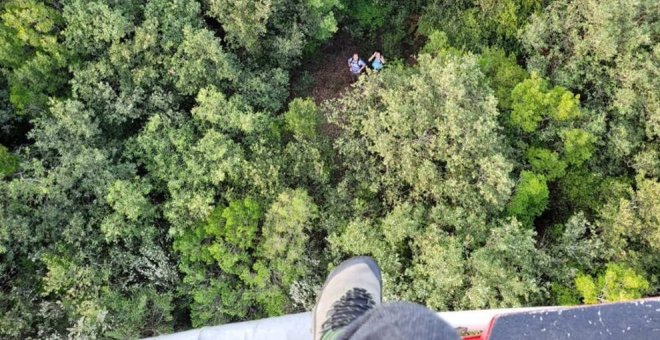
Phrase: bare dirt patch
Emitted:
{"points": [[327, 73]]}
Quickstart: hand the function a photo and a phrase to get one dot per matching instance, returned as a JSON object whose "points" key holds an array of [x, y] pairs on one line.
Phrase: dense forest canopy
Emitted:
{"points": [[162, 166]]}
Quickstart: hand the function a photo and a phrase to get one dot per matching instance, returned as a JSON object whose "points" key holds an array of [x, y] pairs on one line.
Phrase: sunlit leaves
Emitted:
{"points": [[617, 283], [546, 162], [199, 61], [530, 198], [411, 128], [476, 24], [289, 221], [31, 54], [578, 146], [244, 21], [533, 101], [503, 74], [91, 26], [607, 54], [303, 119], [504, 273]]}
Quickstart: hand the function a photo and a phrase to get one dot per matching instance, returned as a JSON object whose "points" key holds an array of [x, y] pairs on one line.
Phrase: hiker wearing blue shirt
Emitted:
{"points": [[356, 66], [378, 61]]}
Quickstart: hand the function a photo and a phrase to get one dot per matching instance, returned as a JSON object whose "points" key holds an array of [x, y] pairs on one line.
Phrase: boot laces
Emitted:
{"points": [[352, 305]]}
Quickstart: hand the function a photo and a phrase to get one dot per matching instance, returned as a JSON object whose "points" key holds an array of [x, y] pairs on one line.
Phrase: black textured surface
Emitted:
{"points": [[629, 320]]}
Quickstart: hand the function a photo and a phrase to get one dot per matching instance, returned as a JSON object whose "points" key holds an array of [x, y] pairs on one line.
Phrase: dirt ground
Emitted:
{"points": [[326, 75], [329, 70]]}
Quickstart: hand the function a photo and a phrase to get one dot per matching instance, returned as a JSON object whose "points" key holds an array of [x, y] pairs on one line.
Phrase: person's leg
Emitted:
{"points": [[399, 320], [349, 307]]}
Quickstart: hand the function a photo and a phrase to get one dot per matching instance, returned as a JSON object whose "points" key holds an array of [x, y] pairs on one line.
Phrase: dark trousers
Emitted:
{"points": [[399, 320]]}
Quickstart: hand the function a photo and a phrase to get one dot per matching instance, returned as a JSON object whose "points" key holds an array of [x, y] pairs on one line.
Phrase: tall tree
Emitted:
{"points": [[425, 181], [606, 51], [32, 56]]}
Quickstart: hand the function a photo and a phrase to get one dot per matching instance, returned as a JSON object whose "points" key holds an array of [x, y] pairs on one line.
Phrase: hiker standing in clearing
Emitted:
{"points": [[356, 66], [378, 61]]}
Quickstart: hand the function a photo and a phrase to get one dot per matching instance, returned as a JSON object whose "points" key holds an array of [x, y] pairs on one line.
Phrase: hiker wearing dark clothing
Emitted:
{"points": [[377, 61], [356, 66]]}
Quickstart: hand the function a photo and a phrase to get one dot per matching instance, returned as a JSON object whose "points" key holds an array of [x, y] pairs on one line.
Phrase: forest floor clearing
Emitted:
{"points": [[326, 75]]}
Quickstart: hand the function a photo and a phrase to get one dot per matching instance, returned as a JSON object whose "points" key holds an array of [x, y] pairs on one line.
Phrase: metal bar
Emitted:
{"points": [[298, 326]]}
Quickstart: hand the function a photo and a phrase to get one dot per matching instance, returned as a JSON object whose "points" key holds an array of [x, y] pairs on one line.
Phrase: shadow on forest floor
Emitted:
{"points": [[325, 75]]}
